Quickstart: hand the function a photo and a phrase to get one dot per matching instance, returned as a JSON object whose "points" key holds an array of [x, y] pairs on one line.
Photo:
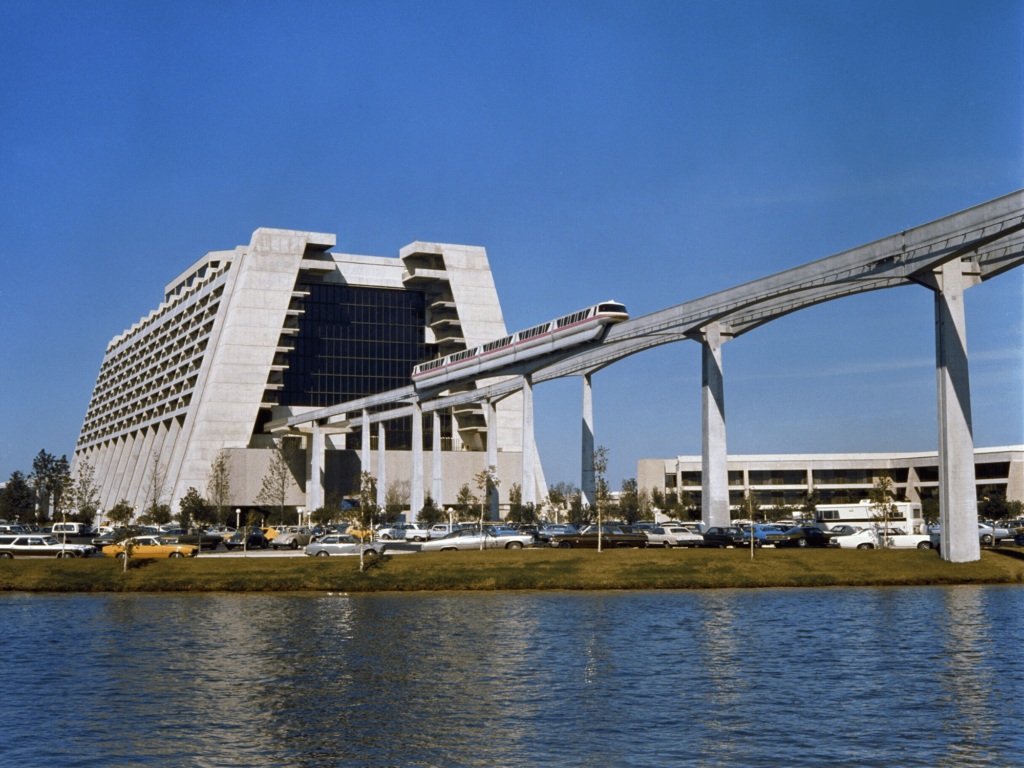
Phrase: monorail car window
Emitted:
{"points": [[611, 308], [530, 333]]}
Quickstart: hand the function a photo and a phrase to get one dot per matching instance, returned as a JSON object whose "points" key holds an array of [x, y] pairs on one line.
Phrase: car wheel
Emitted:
{"points": [[264, 545], [801, 542], [449, 549], [371, 552], [321, 553], [120, 555], [62, 555], [986, 539], [294, 544], [6, 556], [385, 537], [721, 546], [417, 538], [176, 554], [564, 545], [924, 545], [514, 545], [865, 546]]}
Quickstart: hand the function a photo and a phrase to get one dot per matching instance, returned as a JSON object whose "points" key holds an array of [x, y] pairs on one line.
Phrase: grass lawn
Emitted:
{"points": [[523, 569]]}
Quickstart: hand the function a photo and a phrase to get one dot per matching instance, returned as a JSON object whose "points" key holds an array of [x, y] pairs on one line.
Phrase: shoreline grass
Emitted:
{"points": [[517, 570]]}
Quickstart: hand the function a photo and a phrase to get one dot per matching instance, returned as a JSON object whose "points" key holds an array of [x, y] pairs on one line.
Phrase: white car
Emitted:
{"points": [[406, 531], [40, 545], [470, 538], [872, 538], [340, 544], [683, 537]]}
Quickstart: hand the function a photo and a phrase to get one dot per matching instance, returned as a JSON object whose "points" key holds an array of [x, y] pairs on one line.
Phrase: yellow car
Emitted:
{"points": [[150, 546], [365, 534]]}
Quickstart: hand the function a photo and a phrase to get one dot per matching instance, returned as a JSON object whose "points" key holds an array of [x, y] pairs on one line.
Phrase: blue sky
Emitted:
{"points": [[646, 152]]}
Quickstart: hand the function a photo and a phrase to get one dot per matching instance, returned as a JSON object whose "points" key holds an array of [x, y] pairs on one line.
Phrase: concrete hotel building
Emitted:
{"points": [[281, 327], [837, 478]]}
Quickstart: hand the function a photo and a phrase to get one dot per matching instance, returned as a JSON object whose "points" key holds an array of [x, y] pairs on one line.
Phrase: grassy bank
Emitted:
{"points": [[526, 569]]}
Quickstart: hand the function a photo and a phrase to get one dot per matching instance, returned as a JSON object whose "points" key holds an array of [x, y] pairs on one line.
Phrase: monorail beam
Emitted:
{"points": [[587, 457], [958, 505], [438, 485], [381, 464], [714, 461], [492, 451], [315, 490], [416, 492], [529, 487]]}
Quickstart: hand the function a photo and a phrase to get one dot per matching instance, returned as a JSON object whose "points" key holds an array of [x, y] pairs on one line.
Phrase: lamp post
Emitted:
{"points": [[238, 519]]}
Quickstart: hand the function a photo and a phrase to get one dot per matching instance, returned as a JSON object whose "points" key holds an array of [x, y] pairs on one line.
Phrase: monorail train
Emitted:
{"points": [[577, 328]]}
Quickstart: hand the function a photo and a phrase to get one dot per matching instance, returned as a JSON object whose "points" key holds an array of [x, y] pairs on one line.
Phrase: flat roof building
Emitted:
{"points": [[837, 478], [281, 327]]}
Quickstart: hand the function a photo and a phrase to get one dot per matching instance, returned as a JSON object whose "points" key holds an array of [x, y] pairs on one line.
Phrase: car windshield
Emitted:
{"points": [[50, 541]]}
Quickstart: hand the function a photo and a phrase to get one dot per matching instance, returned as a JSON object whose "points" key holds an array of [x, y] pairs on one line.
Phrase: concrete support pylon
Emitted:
{"points": [[315, 491], [714, 459], [364, 458], [438, 487], [381, 464], [492, 451], [416, 493], [958, 503], [587, 454], [529, 488]]}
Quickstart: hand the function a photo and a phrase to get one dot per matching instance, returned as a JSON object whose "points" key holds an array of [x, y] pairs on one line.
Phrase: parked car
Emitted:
{"points": [[441, 529], [988, 534], [471, 538], [292, 537], [403, 531], [874, 538], [202, 539], [150, 546], [728, 536], [801, 536], [341, 544], [683, 537], [249, 538], [658, 537], [611, 536], [15, 545]]}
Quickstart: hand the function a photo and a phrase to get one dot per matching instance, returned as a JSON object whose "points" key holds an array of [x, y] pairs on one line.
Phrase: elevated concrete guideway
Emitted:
{"points": [[946, 256]]}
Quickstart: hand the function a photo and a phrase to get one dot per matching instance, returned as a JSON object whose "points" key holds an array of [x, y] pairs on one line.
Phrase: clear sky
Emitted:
{"points": [[646, 152]]}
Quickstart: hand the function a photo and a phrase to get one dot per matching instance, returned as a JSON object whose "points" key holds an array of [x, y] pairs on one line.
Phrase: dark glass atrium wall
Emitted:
{"points": [[353, 342]]}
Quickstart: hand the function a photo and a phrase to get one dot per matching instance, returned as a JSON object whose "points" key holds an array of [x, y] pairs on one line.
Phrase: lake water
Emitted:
{"points": [[796, 677]]}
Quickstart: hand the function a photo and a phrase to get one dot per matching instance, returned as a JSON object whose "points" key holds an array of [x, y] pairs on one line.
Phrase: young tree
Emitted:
{"points": [[643, 503], [658, 499], [156, 511], [121, 513], [629, 501], [808, 505], [465, 502], [277, 481], [883, 504], [396, 497], [515, 503], [50, 477], [85, 495], [486, 483], [599, 463], [194, 510], [751, 507], [367, 508], [17, 499], [218, 488], [431, 514]]}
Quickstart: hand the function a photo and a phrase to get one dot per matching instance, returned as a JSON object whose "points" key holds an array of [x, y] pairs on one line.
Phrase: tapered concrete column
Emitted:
{"points": [[492, 450], [364, 458], [587, 453], [438, 488], [529, 447], [416, 493], [315, 491], [714, 461], [958, 503], [381, 462]]}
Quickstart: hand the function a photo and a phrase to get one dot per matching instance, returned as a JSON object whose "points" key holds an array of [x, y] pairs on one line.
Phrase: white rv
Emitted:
{"points": [[908, 516]]}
